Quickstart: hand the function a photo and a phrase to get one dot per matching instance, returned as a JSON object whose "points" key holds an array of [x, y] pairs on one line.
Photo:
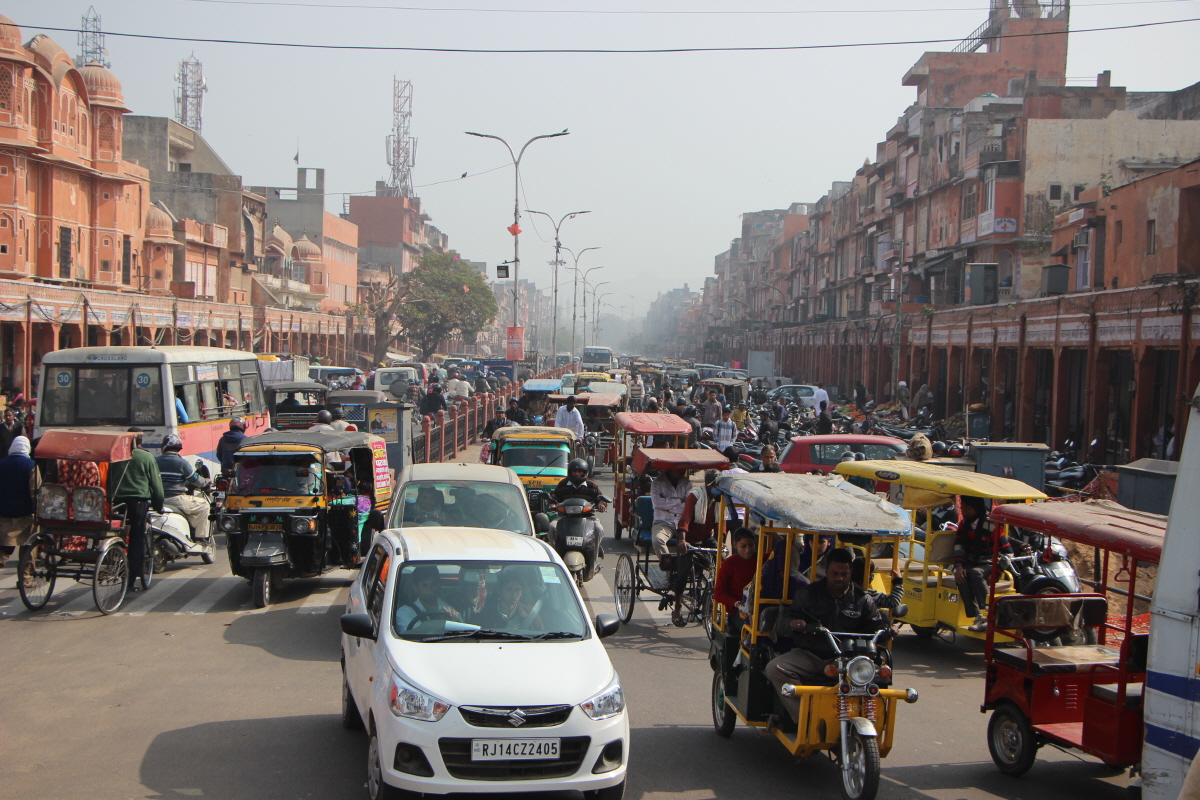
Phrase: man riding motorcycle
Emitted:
{"points": [[577, 484], [179, 481]]}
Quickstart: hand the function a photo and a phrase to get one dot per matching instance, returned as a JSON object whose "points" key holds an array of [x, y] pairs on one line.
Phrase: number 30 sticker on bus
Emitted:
{"points": [[192, 392]]}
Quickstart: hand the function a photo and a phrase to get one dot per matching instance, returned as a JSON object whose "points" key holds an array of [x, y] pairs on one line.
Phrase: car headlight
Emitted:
{"points": [[302, 524], [608, 703], [228, 523], [87, 503], [860, 670], [52, 501], [407, 701]]}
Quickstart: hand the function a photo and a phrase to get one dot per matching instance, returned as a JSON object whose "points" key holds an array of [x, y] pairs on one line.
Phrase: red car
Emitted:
{"points": [[806, 453]]}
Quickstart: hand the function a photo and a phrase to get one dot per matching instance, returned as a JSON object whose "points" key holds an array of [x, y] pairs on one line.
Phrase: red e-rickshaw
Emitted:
{"points": [[634, 430], [1084, 696]]}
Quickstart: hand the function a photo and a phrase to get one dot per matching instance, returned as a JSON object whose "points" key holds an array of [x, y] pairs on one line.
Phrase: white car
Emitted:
{"points": [[468, 656]]}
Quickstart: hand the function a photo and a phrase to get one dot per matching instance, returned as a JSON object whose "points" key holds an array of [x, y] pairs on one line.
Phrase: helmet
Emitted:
{"points": [[860, 456], [579, 464], [956, 450], [847, 456], [324, 417], [727, 408], [939, 448], [337, 413], [172, 442], [690, 411], [237, 424]]}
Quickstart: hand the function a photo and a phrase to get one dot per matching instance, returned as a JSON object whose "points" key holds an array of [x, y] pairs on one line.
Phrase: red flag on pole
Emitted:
{"points": [[514, 229]]}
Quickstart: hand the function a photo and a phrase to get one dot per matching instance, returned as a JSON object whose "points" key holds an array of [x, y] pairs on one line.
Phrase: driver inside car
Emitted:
{"points": [[833, 602], [430, 508], [424, 582]]}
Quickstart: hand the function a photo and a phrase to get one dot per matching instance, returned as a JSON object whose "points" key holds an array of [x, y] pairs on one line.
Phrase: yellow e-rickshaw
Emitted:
{"points": [[930, 588], [852, 714], [539, 454]]}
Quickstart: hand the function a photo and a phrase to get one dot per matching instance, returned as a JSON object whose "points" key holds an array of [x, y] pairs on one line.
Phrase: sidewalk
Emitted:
{"points": [[468, 456]]}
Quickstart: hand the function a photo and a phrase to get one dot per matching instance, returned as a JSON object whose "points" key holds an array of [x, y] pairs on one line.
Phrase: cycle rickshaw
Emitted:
{"points": [[637, 429], [852, 715], [632, 578], [80, 534]]}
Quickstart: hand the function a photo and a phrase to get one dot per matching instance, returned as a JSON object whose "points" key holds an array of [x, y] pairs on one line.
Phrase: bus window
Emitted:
{"points": [[102, 396], [209, 400], [146, 399], [231, 398], [191, 400], [58, 396]]}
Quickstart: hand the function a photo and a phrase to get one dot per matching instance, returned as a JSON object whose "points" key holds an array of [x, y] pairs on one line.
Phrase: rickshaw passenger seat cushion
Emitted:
{"points": [[1108, 692], [1056, 660]]}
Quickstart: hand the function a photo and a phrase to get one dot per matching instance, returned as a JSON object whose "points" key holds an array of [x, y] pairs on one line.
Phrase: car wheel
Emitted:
{"points": [[377, 789], [351, 718], [607, 793], [1011, 740]]}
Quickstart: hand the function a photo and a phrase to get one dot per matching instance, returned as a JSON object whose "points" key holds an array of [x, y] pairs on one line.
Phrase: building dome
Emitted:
{"points": [[157, 221], [103, 87], [10, 38], [307, 250], [47, 53], [278, 239]]}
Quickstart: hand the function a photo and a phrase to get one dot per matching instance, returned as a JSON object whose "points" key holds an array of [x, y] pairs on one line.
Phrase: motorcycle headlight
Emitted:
{"points": [[302, 524], [87, 503], [52, 501], [860, 671], [409, 702], [608, 703], [228, 523]]}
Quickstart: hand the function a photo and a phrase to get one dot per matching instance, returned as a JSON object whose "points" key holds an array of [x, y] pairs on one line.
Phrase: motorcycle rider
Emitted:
{"points": [[179, 479], [229, 442], [577, 484]]}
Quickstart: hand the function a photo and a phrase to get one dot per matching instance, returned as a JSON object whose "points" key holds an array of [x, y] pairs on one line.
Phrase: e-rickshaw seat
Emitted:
{"points": [[1058, 660], [1108, 693], [1022, 612]]}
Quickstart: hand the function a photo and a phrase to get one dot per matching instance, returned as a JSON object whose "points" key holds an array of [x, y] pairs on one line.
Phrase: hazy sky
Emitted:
{"points": [[666, 150]]}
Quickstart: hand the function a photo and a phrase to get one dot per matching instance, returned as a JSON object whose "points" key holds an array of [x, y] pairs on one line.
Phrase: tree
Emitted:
{"points": [[381, 301], [442, 298]]}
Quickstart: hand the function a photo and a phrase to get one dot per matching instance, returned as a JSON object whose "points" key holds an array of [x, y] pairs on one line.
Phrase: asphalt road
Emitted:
{"points": [[190, 692]]}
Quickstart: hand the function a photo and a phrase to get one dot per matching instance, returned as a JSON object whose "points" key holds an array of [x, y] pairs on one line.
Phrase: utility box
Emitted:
{"points": [[1056, 279], [979, 425], [981, 282], [1022, 461], [1147, 484], [392, 422]]}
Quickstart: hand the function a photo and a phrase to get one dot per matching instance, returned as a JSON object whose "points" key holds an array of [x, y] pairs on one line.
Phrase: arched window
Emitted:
{"points": [[6, 89]]}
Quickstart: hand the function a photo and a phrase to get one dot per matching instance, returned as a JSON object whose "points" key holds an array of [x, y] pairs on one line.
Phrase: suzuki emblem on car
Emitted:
{"points": [[516, 718]]}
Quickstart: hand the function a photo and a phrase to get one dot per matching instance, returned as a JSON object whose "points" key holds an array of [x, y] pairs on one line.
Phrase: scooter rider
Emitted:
{"points": [[179, 480], [230, 441], [577, 484]]}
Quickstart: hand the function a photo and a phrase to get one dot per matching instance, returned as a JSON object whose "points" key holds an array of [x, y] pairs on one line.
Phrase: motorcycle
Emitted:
{"points": [[172, 535], [576, 536]]}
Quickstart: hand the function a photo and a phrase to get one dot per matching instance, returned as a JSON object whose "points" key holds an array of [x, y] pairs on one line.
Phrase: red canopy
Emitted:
{"points": [[1097, 523], [104, 446], [646, 458], [652, 424], [588, 399]]}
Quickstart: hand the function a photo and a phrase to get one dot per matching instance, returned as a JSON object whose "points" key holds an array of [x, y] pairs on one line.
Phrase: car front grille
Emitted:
{"points": [[526, 716], [456, 755]]}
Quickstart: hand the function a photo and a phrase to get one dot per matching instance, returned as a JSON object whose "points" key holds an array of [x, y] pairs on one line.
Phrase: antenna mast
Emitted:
{"points": [[401, 147], [91, 40], [189, 96]]}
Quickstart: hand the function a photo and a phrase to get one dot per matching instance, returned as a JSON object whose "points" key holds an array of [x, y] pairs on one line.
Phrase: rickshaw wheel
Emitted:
{"points": [[1011, 740], [706, 611], [262, 586], [861, 780], [36, 572], [724, 718], [110, 581], [623, 588], [148, 565]]}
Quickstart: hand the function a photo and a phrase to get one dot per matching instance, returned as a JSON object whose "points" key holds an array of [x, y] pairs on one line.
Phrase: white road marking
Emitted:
{"points": [[159, 591], [211, 595], [321, 600]]}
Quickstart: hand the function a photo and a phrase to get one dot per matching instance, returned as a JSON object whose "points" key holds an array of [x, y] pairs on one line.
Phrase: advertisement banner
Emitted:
{"points": [[516, 344], [382, 423]]}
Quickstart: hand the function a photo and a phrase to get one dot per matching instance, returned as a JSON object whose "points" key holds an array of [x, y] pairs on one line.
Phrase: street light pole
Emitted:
{"points": [[596, 316], [585, 328], [575, 292], [515, 230], [583, 298], [557, 246]]}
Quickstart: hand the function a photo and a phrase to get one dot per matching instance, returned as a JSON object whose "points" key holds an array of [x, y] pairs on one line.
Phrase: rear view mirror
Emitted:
{"points": [[606, 624], [360, 626]]}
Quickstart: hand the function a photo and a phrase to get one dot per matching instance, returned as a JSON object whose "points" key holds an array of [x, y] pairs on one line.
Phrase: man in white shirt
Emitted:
{"points": [[820, 394], [457, 387], [425, 581], [637, 392], [668, 492], [569, 417]]}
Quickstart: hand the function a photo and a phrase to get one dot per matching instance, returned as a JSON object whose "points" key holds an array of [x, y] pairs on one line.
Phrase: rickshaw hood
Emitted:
{"points": [[816, 503]]}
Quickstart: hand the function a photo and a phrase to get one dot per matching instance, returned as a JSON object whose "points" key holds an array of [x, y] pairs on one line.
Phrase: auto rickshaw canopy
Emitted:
{"points": [[532, 432], [606, 387], [296, 386], [78, 445], [642, 424], [542, 385], [937, 484], [1096, 523], [357, 397], [664, 458], [816, 504], [324, 441]]}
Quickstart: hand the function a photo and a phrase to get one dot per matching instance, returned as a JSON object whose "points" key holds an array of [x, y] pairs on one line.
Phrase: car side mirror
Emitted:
{"points": [[541, 523], [360, 626], [606, 624]]}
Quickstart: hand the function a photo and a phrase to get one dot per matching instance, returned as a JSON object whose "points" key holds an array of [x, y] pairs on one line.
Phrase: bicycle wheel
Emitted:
{"points": [[36, 571], [624, 588], [110, 582], [147, 576]]}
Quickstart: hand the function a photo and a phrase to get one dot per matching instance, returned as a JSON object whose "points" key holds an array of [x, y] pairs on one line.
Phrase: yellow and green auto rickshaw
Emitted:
{"points": [[539, 455]]}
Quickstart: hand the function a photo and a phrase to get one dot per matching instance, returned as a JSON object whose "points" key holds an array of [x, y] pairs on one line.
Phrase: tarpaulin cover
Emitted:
{"points": [[606, 387], [816, 503], [533, 431], [105, 446], [946, 480], [542, 385], [653, 424], [1098, 523], [598, 399], [666, 458]]}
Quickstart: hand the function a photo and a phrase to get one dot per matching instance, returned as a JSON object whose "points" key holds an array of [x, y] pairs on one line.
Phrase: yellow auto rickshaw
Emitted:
{"points": [[539, 455], [930, 588]]}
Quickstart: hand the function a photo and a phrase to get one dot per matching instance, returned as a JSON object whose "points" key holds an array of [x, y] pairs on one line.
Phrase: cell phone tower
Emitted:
{"points": [[189, 96], [401, 146], [91, 40]]}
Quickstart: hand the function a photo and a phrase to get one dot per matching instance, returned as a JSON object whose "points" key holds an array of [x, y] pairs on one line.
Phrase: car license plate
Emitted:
{"points": [[574, 541], [513, 749]]}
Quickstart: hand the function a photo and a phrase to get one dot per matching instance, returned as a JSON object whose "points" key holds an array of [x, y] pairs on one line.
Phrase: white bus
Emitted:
{"points": [[597, 359], [189, 391]]}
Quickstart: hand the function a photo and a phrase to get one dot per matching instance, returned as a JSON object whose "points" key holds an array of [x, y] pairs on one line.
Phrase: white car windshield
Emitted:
{"points": [[470, 601], [461, 504]]}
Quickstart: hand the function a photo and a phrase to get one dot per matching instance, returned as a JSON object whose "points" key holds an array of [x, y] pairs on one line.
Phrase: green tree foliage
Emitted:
{"points": [[380, 303], [443, 298]]}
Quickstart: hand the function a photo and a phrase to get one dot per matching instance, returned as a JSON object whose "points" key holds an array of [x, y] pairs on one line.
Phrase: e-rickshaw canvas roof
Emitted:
{"points": [[640, 423], [816, 503], [297, 386], [542, 385], [325, 441], [944, 480], [74, 445], [534, 432], [356, 397], [1096, 523], [665, 458], [722, 382], [598, 400], [606, 387]]}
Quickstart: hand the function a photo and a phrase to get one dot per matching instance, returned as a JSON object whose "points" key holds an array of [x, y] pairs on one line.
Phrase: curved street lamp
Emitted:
{"points": [[557, 246], [596, 316], [584, 299], [594, 288]]}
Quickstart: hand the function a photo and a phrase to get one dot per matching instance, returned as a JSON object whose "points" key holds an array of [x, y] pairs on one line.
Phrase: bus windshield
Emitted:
{"points": [[102, 395]]}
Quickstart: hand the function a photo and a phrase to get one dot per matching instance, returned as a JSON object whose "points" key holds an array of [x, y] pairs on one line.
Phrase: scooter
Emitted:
{"points": [[576, 536], [173, 540]]}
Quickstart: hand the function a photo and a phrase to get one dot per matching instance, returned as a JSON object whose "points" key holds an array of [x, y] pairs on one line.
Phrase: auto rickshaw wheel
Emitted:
{"points": [[860, 778], [36, 571], [1011, 740], [724, 718], [623, 588], [110, 581], [261, 587]]}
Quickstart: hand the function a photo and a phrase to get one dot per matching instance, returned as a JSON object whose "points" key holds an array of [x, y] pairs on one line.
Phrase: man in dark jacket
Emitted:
{"points": [[577, 484], [229, 442], [16, 497], [973, 558], [138, 484], [515, 413], [433, 402], [833, 602], [823, 424]]}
